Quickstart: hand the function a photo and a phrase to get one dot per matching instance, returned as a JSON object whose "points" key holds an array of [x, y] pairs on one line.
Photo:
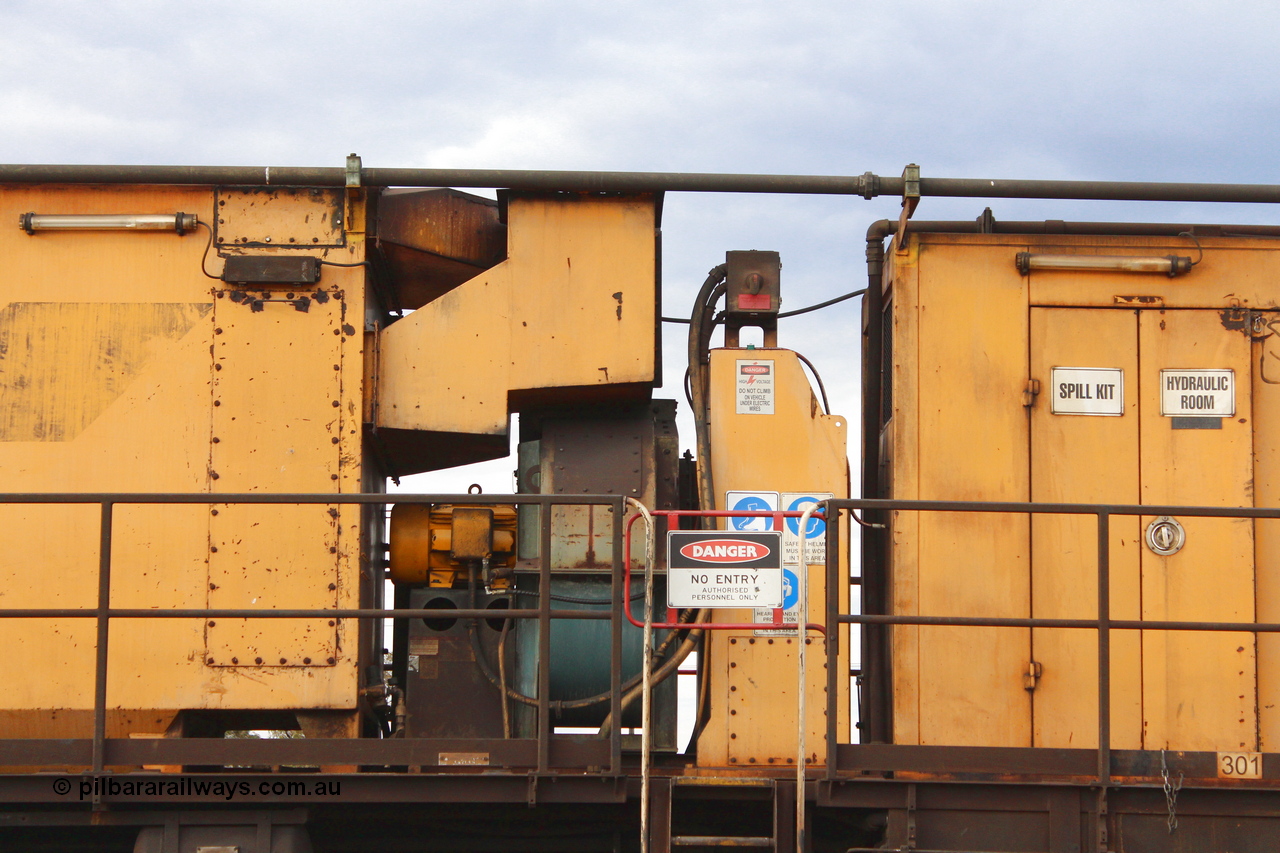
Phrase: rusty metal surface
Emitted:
{"points": [[445, 690], [279, 217], [433, 240]]}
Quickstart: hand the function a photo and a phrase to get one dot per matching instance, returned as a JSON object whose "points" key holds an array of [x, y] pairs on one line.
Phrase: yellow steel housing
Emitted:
{"points": [[127, 369], [569, 315], [970, 338], [753, 679]]}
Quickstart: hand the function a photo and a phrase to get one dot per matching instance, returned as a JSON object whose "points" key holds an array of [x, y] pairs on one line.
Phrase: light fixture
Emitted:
{"points": [[180, 223], [1170, 265]]}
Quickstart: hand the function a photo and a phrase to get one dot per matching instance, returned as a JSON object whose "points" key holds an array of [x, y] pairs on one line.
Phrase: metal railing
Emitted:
{"points": [[545, 754], [1063, 762], [398, 751]]}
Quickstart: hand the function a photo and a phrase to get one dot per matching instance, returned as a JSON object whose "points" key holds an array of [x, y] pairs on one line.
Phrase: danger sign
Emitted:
{"points": [[724, 569]]}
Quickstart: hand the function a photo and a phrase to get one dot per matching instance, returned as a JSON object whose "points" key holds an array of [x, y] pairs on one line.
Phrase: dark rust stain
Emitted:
{"points": [[1235, 320], [348, 329]]}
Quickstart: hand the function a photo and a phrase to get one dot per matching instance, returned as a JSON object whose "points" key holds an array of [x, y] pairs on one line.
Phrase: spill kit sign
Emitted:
{"points": [[754, 390], [1087, 391], [1197, 393], [722, 568]]}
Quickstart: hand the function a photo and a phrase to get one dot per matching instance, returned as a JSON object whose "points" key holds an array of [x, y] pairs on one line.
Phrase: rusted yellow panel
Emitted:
{"points": [[1232, 270], [901, 299], [972, 444], [1266, 478], [287, 217], [796, 449], [1198, 688], [1084, 459], [110, 389], [267, 363], [571, 307]]}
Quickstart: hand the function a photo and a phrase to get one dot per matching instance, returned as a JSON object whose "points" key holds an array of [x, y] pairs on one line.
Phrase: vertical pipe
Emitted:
{"points": [[875, 712], [621, 600], [802, 631], [646, 682], [834, 605], [1104, 649], [544, 641], [100, 663]]}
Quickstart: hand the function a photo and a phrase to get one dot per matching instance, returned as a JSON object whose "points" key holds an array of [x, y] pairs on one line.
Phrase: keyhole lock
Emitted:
{"points": [[1165, 536]]}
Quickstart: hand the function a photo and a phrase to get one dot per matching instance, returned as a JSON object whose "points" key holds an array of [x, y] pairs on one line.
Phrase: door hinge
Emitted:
{"points": [[1032, 675], [1030, 393]]}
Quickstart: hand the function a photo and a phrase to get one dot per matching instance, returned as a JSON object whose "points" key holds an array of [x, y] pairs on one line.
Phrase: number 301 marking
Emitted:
{"points": [[1239, 765]]}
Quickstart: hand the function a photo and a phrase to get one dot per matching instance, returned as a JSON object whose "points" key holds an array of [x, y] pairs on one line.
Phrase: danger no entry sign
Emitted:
{"points": [[722, 568]]}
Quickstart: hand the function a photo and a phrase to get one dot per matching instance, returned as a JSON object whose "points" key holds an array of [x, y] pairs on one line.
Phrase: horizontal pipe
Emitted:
{"points": [[1033, 622], [868, 185], [295, 613], [1053, 508], [297, 498]]}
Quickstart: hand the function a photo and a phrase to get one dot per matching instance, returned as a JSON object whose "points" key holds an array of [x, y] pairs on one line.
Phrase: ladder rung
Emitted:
{"points": [[720, 841]]}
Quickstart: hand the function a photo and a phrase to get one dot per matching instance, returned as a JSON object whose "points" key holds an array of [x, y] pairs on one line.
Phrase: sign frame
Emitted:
{"points": [[735, 576], [1086, 380]]}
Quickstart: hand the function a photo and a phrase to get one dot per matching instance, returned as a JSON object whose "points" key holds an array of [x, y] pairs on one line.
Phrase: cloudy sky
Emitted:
{"points": [[1174, 91]]}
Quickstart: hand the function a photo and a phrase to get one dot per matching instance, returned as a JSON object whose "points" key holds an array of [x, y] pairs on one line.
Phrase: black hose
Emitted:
{"points": [[700, 325], [482, 661]]}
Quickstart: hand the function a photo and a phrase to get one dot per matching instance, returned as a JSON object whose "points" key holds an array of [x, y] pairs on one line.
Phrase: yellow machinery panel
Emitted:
{"points": [[980, 355], [128, 369], [795, 448], [571, 308]]}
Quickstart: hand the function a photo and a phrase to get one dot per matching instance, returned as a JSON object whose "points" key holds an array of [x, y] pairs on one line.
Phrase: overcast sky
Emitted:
{"points": [[1172, 91]]}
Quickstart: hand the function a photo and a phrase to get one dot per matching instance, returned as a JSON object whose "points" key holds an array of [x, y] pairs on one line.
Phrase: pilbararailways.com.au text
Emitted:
{"points": [[186, 786]]}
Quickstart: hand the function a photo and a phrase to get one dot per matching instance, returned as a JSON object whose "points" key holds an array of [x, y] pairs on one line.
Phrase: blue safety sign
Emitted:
{"points": [[751, 502], [799, 503]]}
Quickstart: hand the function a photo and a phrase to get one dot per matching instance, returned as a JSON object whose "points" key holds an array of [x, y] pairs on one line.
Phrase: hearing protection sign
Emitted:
{"points": [[754, 389], [722, 568]]}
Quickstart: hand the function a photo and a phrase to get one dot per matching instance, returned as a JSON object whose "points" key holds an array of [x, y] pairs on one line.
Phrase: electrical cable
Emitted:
{"points": [[569, 599], [826, 407], [336, 264], [798, 311], [205, 257], [794, 313]]}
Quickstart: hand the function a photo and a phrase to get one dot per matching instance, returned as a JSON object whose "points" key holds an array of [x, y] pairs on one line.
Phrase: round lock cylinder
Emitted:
{"points": [[1165, 536]]}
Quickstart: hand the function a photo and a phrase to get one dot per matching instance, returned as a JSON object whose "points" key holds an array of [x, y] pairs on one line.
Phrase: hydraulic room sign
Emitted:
{"points": [[1197, 393], [723, 568]]}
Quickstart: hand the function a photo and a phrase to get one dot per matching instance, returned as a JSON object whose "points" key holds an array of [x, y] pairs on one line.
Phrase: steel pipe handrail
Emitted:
{"points": [[868, 185], [104, 613]]}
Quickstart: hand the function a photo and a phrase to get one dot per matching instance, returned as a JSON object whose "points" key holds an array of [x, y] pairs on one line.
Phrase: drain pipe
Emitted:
{"points": [[873, 714]]}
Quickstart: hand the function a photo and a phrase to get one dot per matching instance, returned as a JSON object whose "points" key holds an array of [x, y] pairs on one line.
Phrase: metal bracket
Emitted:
{"points": [[1030, 393], [1031, 677], [870, 183], [911, 819], [353, 171], [910, 200]]}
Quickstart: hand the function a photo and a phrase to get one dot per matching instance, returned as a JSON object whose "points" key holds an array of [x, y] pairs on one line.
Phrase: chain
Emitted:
{"points": [[1170, 793]]}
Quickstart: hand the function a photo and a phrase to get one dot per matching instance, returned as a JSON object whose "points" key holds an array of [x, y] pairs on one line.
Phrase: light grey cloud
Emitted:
{"points": [[1182, 90]]}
